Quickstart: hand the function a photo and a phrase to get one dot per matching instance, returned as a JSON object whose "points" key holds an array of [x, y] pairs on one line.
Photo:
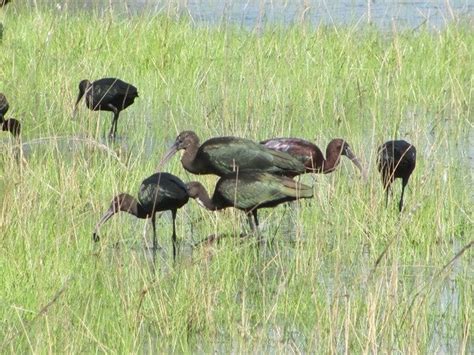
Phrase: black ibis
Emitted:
{"points": [[108, 94], [312, 157], [3, 106], [249, 192], [159, 192], [11, 125], [396, 159], [225, 155]]}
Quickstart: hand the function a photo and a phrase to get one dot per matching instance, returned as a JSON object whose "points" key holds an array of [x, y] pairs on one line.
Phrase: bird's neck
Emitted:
{"points": [[332, 160], [134, 208], [189, 159], [204, 200]]}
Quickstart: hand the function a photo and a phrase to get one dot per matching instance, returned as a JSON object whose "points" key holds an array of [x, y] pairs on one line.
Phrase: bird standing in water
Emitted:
{"points": [[249, 192], [108, 94], [396, 159], [159, 192]]}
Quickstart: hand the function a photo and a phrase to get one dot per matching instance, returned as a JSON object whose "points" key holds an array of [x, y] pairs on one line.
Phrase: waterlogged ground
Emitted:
{"points": [[250, 14], [337, 273]]}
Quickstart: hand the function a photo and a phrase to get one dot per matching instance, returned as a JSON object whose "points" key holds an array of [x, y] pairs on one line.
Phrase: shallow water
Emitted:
{"points": [[251, 14]]}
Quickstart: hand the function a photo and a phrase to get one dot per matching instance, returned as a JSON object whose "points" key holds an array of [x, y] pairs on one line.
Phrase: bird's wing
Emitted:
{"points": [[108, 89], [229, 153], [160, 187], [298, 148]]}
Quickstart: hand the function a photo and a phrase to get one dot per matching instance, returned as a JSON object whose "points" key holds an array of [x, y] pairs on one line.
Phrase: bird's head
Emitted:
{"points": [[341, 147], [83, 87], [184, 140], [122, 202], [194, 189]]}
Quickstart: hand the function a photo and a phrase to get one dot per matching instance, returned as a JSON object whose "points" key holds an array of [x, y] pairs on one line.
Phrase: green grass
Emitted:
{"points": [[315, 287]]}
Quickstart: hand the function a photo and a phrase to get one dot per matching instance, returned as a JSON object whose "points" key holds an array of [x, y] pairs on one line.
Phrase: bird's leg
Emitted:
{"points": [[173, 212], [386, 186], [154, 233], [400, 204], [113, 129], [254, 223], [255, 218]]}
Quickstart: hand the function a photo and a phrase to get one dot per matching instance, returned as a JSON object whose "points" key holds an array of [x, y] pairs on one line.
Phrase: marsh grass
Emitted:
{"points": [[339, 273]]}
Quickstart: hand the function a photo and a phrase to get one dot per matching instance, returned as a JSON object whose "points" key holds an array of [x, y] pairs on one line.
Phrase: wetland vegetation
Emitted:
{"points": [[339, 273]]}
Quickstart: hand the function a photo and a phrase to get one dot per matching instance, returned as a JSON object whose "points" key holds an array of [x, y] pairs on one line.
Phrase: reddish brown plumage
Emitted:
{"points": [[311, 156]]}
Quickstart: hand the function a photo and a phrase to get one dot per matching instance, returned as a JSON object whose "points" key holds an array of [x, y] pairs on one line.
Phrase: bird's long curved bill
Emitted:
{"points": [[356, 162], [168, 155], [79, 97], [107, 215]]}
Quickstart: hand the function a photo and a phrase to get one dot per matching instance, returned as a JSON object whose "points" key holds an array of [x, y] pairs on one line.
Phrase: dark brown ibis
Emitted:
{"points": [[13, 126], [159, 192], [396, 159], [312, 157], [108, 94], [249, 192], [226, 155], [4, 106]]}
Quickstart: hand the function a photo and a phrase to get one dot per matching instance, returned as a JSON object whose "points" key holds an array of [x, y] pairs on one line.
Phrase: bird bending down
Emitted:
{"points": [[312, 157], [249, 192], [108, 94], [159, 192], [396, 159], [226, 155]]}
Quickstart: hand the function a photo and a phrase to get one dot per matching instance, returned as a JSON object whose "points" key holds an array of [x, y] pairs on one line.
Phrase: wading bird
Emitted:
{"points": [[249, 192], [159, 192], [226, 155], [312, 157], [108, 94], [396, 159]]}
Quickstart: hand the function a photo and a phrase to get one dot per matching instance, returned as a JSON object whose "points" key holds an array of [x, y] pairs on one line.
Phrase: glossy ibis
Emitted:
{"points": [[159, 192], [225, 155], [13, 126], [249, 192], [396, 159], [3, 106], [108, 94], [312, 157]]}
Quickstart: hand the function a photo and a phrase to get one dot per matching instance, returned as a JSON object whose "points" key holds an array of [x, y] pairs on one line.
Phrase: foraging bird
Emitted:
{"points": [[159, 192], [11, 125], [249, 192], [312, 157], [108, 94], [396, 159], [4, 106], [226, 155]]}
